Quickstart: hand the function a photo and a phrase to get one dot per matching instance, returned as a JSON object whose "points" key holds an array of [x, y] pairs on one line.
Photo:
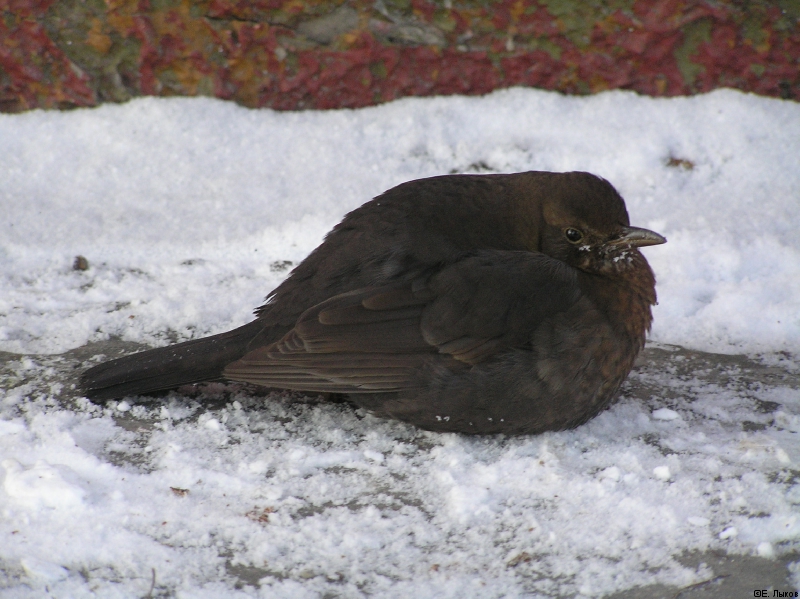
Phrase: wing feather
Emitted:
{"points": [[377, 339]]}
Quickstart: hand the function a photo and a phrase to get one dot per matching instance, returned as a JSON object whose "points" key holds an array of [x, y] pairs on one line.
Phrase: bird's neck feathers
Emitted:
{"points": [[625, 290]]}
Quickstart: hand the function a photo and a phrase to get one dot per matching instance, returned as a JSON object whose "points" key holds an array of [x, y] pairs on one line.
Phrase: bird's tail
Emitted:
{"points": [[169, 367]]}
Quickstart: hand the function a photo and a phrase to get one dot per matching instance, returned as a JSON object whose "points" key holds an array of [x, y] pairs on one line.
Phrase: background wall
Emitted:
{"points": [[288, 54]]}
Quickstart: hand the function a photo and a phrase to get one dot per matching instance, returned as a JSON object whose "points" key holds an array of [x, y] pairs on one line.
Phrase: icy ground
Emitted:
{"points": [[189, 211]]}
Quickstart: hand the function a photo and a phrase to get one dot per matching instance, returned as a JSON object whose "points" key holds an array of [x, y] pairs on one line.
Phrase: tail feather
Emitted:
{"points": [[169, 367]]}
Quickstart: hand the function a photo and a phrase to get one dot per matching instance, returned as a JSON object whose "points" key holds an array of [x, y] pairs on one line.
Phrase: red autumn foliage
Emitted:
{"points": [[288, 54]]}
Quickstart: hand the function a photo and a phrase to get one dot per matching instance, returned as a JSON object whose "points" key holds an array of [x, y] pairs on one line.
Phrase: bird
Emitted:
{"points": [[479, 304]]}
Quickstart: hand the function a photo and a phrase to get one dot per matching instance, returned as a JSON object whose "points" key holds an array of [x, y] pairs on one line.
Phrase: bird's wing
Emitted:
{"points": [[373, 340], [494, 300], [368, 341]]}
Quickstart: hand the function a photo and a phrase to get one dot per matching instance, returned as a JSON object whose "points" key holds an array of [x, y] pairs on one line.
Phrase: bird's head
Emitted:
{"points": [[586, 225]]}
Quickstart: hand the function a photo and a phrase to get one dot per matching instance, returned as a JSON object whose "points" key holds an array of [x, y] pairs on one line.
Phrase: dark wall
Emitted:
{"points": [[289, 54]]}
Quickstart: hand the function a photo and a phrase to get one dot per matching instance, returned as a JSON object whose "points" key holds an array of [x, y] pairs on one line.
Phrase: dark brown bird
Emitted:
{"points": [[469, 303]]}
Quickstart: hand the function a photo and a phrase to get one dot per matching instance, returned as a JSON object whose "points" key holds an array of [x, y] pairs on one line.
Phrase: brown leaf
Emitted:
{"points": [[96, 38], [517, 560], [260, 515]]}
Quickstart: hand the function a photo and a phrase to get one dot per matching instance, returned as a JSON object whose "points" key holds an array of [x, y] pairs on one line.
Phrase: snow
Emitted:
{"points": [[188, 211]]}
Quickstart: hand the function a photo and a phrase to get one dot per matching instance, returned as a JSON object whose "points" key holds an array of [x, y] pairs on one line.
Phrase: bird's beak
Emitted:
{"points": [[636, 237]]}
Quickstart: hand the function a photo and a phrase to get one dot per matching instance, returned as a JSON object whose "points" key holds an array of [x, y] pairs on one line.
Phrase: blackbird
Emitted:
{"points": [[466, 303]]}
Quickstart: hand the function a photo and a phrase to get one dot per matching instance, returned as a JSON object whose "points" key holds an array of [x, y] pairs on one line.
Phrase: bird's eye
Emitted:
{"points": [[573, 235]]}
